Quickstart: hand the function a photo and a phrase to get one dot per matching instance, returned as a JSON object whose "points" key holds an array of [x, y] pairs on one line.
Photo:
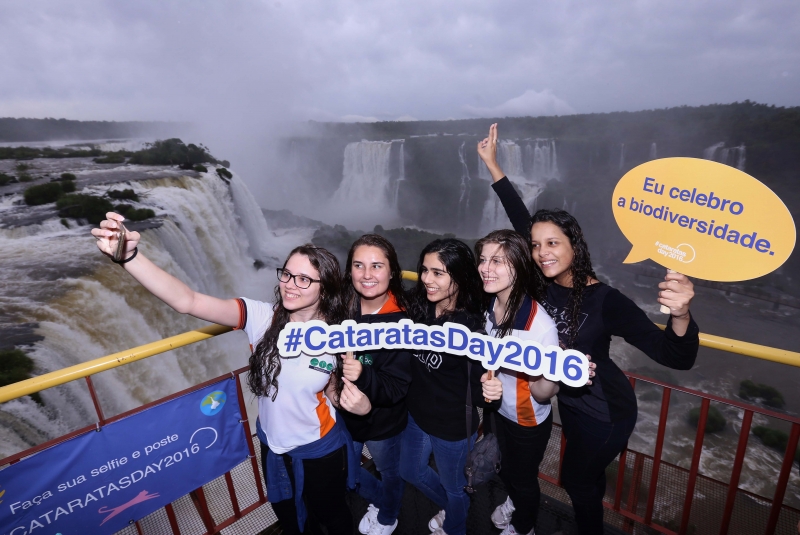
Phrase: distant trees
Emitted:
{"points": [[172, 152]]}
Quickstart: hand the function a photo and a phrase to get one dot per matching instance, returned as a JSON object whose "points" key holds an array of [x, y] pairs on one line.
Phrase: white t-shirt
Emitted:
{"points": [[301, 413], [517, 403]]}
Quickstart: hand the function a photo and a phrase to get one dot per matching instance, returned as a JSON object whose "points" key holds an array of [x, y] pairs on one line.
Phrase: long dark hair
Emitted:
{"points": [[265, 362], [459, 262], [580, 270], [518, 257], [352, 298]]}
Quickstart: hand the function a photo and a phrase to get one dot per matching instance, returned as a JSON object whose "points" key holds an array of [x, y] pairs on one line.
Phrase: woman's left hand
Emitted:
{"points": [[676, 293], [492, 388], [353, 400]]}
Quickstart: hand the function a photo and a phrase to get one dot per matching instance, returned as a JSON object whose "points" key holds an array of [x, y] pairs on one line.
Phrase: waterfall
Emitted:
{"points": [[541, 161], [366, 193], [542, 166], [55, 279], [621, 156], [401, 176], [733, 156], [653, 151], [464, 185]]}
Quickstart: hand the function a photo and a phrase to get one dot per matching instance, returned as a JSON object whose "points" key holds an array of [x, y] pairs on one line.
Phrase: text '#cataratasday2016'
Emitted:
{"points": [[316, 337]]}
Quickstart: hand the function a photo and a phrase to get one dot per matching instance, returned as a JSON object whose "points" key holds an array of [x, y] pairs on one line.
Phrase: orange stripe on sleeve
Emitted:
{"points": [[242, 315], [525, 414], [326, 421], [534, 309]]}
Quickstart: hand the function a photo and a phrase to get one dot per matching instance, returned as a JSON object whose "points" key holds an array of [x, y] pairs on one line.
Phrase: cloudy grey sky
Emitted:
{"points": [[257, 61]]}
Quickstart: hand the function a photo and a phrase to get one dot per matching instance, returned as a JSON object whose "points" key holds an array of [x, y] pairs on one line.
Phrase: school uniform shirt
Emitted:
{"points": [[531, 323], [300, 413]]}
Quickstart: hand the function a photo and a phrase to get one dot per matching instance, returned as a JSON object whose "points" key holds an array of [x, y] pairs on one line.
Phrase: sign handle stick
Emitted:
{"points": [[491, 375], [664, 308]]}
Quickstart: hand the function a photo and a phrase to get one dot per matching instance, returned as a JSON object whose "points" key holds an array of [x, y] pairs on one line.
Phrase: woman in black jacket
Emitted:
{"points": [[374, 294], [597, 419], [449, 289]]}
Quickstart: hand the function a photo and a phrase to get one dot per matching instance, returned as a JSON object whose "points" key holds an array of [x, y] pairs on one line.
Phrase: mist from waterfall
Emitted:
{"points": [[653, 151], [732, 156], [86, 307]]}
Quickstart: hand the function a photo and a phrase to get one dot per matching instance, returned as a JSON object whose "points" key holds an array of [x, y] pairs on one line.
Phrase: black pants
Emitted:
{"points": [[522, 449], [591, 446], [324, 488]]}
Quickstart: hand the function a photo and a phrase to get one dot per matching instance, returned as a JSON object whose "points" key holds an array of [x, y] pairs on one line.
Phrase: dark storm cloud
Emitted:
{"points": [[241, 63]]}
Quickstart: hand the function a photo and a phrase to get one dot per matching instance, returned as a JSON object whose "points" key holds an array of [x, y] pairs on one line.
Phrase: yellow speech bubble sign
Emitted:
{"points": [[703, 219]]}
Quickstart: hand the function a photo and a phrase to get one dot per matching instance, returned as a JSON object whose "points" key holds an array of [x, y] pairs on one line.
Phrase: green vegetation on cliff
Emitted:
{"points": [[16, 366], [714, 423], [79, 206], [172, 152], [47, 193], [768, 395]]}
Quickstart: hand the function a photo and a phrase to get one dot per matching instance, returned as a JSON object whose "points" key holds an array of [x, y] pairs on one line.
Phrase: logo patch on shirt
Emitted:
{"points": [[365, 359], [321, 366]]}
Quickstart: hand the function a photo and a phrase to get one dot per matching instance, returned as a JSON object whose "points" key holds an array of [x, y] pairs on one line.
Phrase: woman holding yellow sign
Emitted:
{"points": [[597, 419]]}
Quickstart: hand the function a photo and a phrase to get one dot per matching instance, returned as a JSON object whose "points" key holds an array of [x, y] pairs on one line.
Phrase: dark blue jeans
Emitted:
{"points": [[591, 446], [445, 488], [385, 493]]}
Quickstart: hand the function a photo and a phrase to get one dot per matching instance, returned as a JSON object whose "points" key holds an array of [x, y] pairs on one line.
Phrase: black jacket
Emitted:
{"points": [[385, 377], [437, 399]]}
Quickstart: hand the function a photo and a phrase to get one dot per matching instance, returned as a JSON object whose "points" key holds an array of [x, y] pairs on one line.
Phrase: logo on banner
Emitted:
{"points": [[703, 219], [213, 403]]}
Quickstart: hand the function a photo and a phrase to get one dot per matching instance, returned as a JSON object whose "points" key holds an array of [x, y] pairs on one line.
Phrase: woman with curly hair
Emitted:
{"points": [[304, 448], [449, 289], [597, 419]]}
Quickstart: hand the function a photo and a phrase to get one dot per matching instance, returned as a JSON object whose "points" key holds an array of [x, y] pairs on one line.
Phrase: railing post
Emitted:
{"points": [[237, 512], [698, 448], [199, 498], [173, 520], [623, 458], [662, 428], [95, 400], [633, 492], [262, 497], [733, 486], [783, 479]]}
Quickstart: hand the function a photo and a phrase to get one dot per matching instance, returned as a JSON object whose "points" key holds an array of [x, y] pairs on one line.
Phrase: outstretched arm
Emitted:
{"points": [[158, 282]]}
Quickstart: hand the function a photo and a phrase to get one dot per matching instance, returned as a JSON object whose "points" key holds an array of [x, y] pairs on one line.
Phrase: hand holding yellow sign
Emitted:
{"points": [[703, 219]]}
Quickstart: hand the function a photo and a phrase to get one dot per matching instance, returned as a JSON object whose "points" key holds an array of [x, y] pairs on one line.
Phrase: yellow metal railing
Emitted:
{"points": [[65, 375]]}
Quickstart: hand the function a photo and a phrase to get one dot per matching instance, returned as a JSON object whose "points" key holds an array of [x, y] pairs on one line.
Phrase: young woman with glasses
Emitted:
{"points": [[597, 419], [374, 293], [305, 450], [449, 289]]}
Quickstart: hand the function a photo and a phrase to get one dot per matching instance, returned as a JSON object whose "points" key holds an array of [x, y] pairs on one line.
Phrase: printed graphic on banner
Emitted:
{"points": [[703, 219], [102, 481], [316, 337]]}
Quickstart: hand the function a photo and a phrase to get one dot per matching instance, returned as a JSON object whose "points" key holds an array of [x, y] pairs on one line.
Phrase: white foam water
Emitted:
{"points": [[86, 307]]}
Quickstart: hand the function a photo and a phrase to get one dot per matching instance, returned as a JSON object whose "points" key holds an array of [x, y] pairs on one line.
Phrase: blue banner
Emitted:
{"points": [[102, 481]]}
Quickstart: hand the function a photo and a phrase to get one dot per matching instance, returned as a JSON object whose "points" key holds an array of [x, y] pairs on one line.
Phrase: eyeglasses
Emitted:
{"points": [[301, 281]]}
